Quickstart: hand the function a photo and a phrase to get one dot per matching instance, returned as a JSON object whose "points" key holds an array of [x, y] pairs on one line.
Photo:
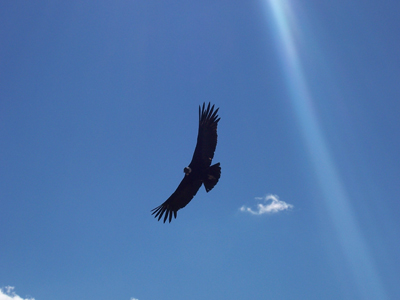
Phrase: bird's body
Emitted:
{"points": [[199, 170]]}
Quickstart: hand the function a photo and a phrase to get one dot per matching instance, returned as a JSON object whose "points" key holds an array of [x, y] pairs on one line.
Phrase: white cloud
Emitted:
{"points": [[131, 298], [7, 293], [272, 205]]}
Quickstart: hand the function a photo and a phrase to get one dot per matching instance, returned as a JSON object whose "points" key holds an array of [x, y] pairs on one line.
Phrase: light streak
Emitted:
{"points": [[336, 199]]}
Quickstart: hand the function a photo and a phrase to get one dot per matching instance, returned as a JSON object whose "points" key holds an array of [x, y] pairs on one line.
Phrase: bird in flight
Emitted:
{"points": [[199, 170]]}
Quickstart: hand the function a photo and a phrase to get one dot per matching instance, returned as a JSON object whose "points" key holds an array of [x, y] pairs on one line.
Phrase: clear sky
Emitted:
{"points": [[99, 114]]}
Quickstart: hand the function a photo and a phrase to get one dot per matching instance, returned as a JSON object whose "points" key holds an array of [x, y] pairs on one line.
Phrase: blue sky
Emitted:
{"points": [[98, 116]]}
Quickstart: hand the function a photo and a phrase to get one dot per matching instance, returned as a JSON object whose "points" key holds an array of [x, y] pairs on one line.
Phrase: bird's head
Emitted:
{"points": [[187, 170]]}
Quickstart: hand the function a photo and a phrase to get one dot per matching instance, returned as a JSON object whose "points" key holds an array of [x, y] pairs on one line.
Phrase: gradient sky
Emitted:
{"points": [[98, 117]]}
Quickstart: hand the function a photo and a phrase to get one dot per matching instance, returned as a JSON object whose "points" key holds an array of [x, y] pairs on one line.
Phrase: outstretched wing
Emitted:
{"points": [[206, 137], [179, 199]]}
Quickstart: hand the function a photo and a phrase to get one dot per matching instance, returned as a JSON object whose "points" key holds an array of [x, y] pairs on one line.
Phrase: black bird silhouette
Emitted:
{"points": [[199, 170]]}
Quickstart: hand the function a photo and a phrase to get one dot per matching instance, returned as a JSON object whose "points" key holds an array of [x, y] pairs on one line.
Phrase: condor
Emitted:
{"points": [[199, 170]]}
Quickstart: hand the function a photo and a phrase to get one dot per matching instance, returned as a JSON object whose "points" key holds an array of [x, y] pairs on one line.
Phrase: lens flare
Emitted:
{"points": [[336, 199]]}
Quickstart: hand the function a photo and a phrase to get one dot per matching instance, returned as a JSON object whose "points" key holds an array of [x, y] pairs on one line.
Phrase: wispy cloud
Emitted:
{"points": [[7, 293], [271, 205]]}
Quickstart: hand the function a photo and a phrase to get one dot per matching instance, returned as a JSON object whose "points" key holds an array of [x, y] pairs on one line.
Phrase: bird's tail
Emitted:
{"points": [[213, 175]]}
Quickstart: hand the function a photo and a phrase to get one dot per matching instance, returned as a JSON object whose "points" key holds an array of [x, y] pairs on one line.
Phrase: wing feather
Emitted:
{"points": [[185, 192], [206, 137]]}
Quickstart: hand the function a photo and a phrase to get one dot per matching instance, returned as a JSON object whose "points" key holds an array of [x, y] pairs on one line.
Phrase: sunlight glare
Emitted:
{"points": [[336, 199]]}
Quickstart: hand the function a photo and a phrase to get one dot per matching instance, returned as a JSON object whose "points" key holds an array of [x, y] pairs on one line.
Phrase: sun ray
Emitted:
{"points": [[336, 199]]}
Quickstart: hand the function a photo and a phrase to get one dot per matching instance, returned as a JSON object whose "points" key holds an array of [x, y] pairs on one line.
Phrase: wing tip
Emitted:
{"points": [[162, 211], [208, 114]]}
